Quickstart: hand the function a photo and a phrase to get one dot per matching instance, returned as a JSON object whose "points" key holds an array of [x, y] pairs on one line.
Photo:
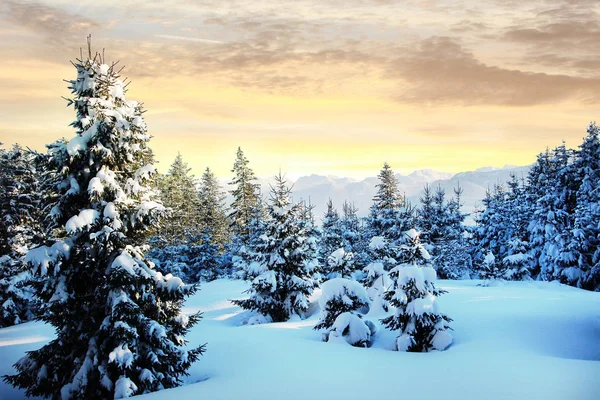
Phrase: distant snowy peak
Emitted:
{"points": [[318, 180], [491, 169], [429, 175]]}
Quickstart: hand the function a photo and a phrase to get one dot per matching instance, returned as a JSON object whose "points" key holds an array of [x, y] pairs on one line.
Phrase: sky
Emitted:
{"points": [[331, 87]]}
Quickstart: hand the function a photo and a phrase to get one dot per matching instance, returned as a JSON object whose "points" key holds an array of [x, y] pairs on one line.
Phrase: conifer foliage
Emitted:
{"points": [[179, 195], [282, 289], [331, 238], [19, 230], [246, 196], [422, 326], [213, 211], [120, 329]]}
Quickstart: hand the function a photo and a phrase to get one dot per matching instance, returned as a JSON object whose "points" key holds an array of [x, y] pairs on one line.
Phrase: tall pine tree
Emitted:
{"points": [[213, 210], [331, 237], [246, 195], [120, 328], [178, 193]]}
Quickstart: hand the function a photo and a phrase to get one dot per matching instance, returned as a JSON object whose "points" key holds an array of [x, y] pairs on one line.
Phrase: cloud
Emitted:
{"points": [[434, 56], [55, 24], [188, 39], [439, 70], [562, 34]]}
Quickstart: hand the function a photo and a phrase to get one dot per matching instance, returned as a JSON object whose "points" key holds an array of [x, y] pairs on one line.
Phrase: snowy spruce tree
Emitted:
{"points": [[343, 303], [538, 183], [119, 325], [351, 227], [179, 195], [488, 245], [341, 263], [553, 220], [246, 196], [585, 238], [197, 261], [452, 259], [376, 276], [390, 214], [246, 261], [20, 229], [422, 327], [282, 289], [245, 216], [384, 215], [213, 212], [518, 261], [311, 246], [442, 224], [331, 237]]}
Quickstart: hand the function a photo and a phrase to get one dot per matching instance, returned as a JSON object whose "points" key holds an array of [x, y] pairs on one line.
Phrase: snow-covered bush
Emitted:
{"points": [[342, 302], [422, 326], [353, 329]]}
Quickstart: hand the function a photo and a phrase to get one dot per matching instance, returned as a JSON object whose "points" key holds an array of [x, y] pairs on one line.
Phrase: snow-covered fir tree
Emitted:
{"points": [[391, 214], [342, 303], [213, 211], [246, 261], [422, 327], [518, 262], [385, 214], [585, 238], [353, 238], [426, 213], [119, 325], [179, 195], [452, 259], [246, 195], [20, 229], [376, 274], [311, 245], [199, 260], [538, 183], [282, 289], [488, 236], [341, 264], [441, 222], [331, 237], [553, 218]]}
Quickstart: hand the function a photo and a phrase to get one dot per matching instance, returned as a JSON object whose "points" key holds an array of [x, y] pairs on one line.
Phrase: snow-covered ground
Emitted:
{"points": [[517, 340]]}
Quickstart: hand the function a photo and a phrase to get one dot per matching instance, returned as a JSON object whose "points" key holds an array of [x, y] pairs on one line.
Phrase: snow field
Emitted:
{"points": [[517, 340]]}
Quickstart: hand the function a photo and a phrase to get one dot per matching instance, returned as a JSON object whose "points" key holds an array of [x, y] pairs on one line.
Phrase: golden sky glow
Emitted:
{"points": [[310, 86]]}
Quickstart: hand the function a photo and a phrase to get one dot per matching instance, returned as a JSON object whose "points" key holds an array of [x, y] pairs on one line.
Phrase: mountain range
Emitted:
{"points": [[318, 189]]}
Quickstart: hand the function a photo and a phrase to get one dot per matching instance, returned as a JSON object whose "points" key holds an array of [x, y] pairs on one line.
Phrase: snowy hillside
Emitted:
{"points": [[519, 340]]}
